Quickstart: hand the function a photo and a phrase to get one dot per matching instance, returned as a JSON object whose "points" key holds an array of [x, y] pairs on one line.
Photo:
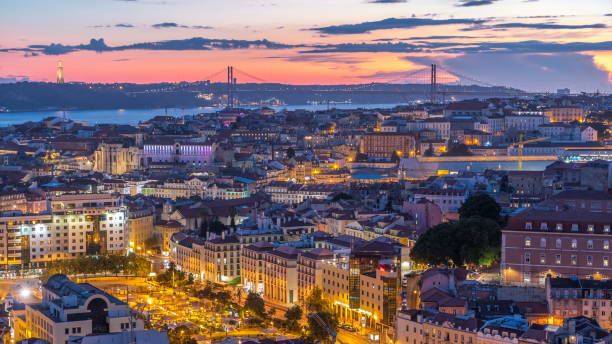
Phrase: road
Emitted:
{"points": [[346, 337]]}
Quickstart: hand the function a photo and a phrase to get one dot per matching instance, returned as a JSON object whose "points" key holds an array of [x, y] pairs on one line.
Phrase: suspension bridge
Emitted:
{"points": [[434, 83]]}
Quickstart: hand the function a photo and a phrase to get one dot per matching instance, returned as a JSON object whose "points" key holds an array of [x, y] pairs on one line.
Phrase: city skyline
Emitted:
{"points": [[532, 45]]}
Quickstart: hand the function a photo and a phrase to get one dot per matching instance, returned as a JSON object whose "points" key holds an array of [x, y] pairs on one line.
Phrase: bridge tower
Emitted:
{"points": [[433, 86], [230, 88]]}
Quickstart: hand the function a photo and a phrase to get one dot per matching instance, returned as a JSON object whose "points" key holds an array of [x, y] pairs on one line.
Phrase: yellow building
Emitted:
{"points": [[140, 227], [565, 114]]}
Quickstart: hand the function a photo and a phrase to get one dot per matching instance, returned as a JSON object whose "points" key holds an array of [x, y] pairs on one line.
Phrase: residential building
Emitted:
{"points": [[560, 241], [76, 309]]}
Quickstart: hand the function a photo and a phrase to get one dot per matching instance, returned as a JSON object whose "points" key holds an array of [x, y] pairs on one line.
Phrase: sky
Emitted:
{"points": [[535, 45]]}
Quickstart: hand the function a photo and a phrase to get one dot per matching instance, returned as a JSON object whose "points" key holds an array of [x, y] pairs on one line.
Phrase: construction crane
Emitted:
{"points": [[323, 325], [521, 144]]}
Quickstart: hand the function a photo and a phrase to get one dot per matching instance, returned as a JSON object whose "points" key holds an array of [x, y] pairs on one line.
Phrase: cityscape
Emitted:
{"points": [[317, 172]]}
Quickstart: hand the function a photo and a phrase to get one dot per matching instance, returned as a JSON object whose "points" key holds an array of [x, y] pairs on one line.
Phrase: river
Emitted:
{"points": [[133, 116]]}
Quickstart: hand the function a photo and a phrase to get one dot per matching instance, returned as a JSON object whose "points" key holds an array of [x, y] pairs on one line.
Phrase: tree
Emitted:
{"points": [[292, 318], [290, 153], [315, 302], [361, 157], [217, 226], [255, 304], [429, 151], [472, 241], [181, 335], [457, 149], [318, 332], [481, 205]]}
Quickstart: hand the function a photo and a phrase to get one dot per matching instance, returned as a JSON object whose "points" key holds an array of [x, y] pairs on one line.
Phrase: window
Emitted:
{"points": [[606, 245], [558, 243], [544, 226], [542, 258], [574, 243], [590, 244], [528, 242], [590, 228], [543, 242], [559, 226], [527, 258], [528, 225], [574, 227], [574, 259], [605, 261], [606, 229], [589, 260]]}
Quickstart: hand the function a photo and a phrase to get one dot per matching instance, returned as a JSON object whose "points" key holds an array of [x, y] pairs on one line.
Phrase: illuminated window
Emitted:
{"points": [[574, 260], [605, 261], [606, 245], [590, 228], [558, 259], [559, 226], [574, 243], [527, 241], [542, 258]]}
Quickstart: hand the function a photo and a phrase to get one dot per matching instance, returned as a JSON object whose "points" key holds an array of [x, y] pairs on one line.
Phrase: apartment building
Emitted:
{"points": [[449, 200], [280, 287], [140, 228], [76, 225], [574, 297], [71, 309], [284, 192], [383, 145], [310, 270], [555, 241], [425, 327], [565, 114]]}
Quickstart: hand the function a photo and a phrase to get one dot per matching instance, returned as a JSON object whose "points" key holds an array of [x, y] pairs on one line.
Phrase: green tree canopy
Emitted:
{"points": [[472, 241], [315, 302], [481, 205], [256, 305]]}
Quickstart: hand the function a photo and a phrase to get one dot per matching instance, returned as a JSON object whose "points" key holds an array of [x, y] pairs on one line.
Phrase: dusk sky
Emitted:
{"points": [[528, 44]]}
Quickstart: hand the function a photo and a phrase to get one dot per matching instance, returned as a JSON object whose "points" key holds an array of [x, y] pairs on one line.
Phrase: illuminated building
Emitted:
{"points": [[114, 158], [76, 225], [383, 145], [573, 297], [170, 151], [310, 270], [565, 114], [71, 309], [556, 241], [140, 228]]}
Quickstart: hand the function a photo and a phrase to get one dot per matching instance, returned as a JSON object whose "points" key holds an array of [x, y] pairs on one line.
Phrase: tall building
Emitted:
{"points": [[60, 72]]}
